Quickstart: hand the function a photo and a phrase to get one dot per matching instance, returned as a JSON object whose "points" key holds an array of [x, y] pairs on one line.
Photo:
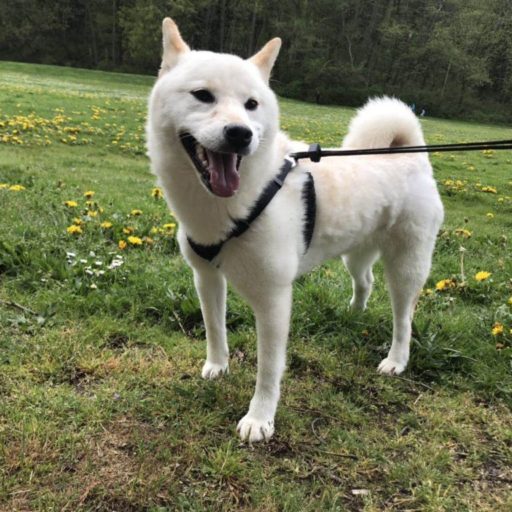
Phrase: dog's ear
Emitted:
{"points": [[173, 46], [265, 58]]}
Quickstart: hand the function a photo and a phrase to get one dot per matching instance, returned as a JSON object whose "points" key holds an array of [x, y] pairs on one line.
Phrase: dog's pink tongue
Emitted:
{"points": [[224, 177]]}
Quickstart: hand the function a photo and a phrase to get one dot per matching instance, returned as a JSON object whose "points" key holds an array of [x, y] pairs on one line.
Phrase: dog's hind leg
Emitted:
{"points": [[272, 310], [406, 267], [359, 263], [211, 288]]}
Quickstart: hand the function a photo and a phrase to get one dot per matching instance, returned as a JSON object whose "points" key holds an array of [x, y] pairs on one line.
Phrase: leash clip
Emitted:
{"points": [[315, 152]]}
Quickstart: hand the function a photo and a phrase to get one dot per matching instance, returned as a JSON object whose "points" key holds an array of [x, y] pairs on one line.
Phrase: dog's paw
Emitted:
{"points": [[213, 370], [357, 305], [254, 430], [390, 367]]}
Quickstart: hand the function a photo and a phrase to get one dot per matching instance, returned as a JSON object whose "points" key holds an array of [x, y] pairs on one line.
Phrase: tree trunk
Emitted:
{"points": [[92, 30], [446, 78], [250, 49], [222, 30], [114, 34]]}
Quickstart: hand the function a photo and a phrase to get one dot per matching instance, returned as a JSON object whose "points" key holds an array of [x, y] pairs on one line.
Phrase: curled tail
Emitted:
{"points": [[384, 122]]}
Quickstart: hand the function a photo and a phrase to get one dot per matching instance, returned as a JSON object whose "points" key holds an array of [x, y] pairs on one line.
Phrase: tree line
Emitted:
{"points": [[449, 57]]}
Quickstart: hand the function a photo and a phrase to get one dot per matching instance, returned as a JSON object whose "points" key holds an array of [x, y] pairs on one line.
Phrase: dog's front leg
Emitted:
{"points": [[211, 288], [272, 311]]}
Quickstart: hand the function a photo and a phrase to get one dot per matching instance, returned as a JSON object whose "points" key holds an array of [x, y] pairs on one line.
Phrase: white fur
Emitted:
{"points": [[367, 207]]}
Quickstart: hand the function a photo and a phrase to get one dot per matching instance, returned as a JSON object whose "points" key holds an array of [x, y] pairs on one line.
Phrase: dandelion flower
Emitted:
{"points": [[128, 230], [497, 329], [74, 230], [106, 225], [135, 240], [154, 230], [482, 275], [489, 215], [463, 232], [510, 301], [135, 212], [89, 194], [122, 244], [70, 204], [16, 188], [444, 284], [92, 213], [169, 226], [157, 193], [77, 221], [489, 190], [4, 186]]}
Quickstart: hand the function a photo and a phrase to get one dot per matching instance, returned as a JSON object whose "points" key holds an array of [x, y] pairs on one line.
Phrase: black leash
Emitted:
{"points": [[315, 152]]}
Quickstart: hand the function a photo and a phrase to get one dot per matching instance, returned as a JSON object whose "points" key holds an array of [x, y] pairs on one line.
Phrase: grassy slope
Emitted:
{"points": [[101, 406]]}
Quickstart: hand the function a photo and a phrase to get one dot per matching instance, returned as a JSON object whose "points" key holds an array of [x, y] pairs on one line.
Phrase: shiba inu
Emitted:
{"points": [[250, 215]]}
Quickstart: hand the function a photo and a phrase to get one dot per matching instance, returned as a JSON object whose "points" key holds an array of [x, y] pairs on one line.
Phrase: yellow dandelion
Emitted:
{"points": [[510, 301], [106, 225], [4, 186], [135, 212], [157, 193], [77, 221], [128, 230], [169, 226], [444, 284], [428, 291], [482, 275], [74, 230], [489, 215], [497, 329], [135, 240], [92, 213], [465, 233], [122, 244], [16, 188], [70, 204], [89, 194], [489, 190], [154, 230], [89, 203]]}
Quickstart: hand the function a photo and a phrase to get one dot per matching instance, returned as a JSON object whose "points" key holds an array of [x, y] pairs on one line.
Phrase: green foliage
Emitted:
{"points": [[101, 403], [450, 58]]}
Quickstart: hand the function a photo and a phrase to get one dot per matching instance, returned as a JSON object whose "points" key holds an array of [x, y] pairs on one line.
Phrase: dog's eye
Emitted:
{"points": [[203, 95], [251, 104]]}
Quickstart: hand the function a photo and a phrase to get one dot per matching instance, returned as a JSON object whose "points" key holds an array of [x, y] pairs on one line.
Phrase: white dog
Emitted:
{"points": [[215, 146]]}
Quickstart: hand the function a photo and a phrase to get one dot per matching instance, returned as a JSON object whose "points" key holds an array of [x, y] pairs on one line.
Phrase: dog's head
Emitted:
{"points": [[218, 106]]}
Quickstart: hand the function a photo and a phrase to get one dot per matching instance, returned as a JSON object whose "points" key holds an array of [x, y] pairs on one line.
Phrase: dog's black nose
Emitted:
{"points": [[238, 136]]}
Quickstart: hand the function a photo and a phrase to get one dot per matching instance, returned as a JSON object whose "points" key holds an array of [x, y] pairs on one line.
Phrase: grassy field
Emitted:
{"points": [[101, 340]]}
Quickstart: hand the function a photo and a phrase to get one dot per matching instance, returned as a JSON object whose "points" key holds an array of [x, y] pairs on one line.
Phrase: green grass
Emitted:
{"points": [[101, 403]]}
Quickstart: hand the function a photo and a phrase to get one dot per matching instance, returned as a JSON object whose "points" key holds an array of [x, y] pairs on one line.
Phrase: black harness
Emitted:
{"points": [[209, 252]]}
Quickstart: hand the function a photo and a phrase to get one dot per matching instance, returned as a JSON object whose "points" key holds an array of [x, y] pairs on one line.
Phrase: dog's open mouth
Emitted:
{"points": [[218, 171]]}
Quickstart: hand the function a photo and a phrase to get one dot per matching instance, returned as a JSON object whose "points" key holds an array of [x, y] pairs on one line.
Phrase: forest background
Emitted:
{"points": [[452, 58]]}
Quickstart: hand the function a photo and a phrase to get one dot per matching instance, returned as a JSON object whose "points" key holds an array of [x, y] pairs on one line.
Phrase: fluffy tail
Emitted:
{"points": [[384, 122]]}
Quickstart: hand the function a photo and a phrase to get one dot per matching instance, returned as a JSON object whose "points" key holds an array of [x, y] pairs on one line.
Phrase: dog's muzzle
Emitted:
{"points": [[218, 170]]}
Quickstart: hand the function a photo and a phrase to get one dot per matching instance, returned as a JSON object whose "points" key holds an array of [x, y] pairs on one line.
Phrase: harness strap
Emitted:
{"points": [[209, 252], [309, 197]]}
